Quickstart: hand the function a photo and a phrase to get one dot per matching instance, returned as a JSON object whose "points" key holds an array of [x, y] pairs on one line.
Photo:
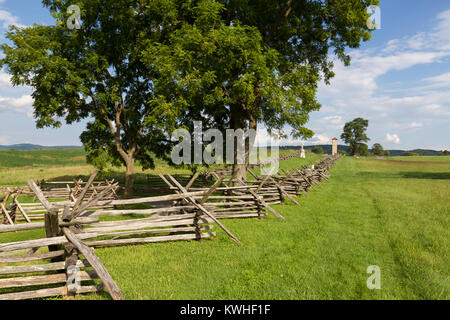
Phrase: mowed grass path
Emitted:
{"points": [[395, 216]]}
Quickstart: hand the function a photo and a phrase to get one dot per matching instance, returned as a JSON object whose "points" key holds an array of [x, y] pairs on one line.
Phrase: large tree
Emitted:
{"points": [[378, 149], [96, 72], [355, 135], [244, 63]]}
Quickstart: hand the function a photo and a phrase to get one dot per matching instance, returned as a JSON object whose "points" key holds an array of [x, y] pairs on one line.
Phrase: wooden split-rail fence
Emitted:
{"points": [[73, 227], [65, 189], [72, 234], [227, 171], [72, 189], [18, 211], [253, 198]]}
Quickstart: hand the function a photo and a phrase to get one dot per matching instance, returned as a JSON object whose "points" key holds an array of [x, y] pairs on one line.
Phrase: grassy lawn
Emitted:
{"points": [[371, 212]]}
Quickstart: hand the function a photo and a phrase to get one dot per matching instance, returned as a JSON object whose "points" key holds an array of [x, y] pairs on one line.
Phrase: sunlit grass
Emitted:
{"points": [[371, 212], [423, 158]]}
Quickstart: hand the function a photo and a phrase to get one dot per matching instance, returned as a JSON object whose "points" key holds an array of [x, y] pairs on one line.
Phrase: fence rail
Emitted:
{"points": [[74, 226]]}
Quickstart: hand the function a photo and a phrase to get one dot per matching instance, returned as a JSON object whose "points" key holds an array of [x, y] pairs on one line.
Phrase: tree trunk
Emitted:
{"points": [[237, 121], [240, 172], [253, 124], [129, 178]]}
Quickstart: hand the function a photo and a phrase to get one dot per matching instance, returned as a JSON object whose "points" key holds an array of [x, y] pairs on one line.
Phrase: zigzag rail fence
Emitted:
{"points": [[73, 227]]}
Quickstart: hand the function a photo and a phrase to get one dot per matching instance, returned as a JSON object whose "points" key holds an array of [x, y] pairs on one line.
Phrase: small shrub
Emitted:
{"points": [[317, 150]]}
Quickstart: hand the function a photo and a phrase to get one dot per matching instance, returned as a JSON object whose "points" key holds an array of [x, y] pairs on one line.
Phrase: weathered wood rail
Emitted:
{"points": [[49, 266], [33, 281], [66, 189]]}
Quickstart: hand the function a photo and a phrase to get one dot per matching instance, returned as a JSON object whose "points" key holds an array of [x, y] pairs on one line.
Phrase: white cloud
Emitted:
{"points": [[263, 138], [335, 120], [440, 81], [4, 140], [17, 99], [331, 122], [443, 28], [437, 39], [363, 88], [5, 79], [393, 138], [415, 125], [358, 83], [320, 139], [7, 19], [437, 110], [23, 104]]}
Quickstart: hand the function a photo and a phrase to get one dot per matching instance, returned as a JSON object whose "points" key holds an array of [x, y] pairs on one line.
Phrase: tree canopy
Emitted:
{"points": [[96, 72], [139, 69], [355, 135], [318, 150], [378, 149], [244, 63]]}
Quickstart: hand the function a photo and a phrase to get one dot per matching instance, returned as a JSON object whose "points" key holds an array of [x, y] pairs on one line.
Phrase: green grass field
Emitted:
{"points": [[391, 214], [17, 167], [41, 158], [423, 158]]}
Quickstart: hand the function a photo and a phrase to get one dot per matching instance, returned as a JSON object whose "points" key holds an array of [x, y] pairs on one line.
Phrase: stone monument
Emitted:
{"points": [[302, 153], [335, 146]]}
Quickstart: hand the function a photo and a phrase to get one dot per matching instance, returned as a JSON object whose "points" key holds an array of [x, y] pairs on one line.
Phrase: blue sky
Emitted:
{"points": [[399, 81]]}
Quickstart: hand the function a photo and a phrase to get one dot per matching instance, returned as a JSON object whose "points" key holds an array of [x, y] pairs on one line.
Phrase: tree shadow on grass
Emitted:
{"points": [[378, 175], [144, 184], [427, 175], [406, 175]]}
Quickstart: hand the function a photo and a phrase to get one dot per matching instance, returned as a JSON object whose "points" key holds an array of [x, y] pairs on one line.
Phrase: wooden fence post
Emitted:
{"points": [[259, 207], [281, 194], [12, 211], [200, 207], [95, 262], [3, 201], [52, 228], [70, 265], [198, 225]]}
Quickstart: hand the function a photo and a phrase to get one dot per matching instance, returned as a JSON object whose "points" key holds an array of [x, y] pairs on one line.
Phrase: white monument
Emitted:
{"points": [[302, 154], [335, 146]]}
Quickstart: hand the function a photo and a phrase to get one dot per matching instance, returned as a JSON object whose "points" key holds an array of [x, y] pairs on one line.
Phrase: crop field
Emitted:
{"points": [[391, 214]]}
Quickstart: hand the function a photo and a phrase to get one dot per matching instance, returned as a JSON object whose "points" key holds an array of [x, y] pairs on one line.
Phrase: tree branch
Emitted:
{"points": [[284, 14], [114, 131]]}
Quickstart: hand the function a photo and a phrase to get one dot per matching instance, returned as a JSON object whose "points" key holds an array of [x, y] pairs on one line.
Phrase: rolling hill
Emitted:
{"points": [[327, 149], [28, 146]]}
